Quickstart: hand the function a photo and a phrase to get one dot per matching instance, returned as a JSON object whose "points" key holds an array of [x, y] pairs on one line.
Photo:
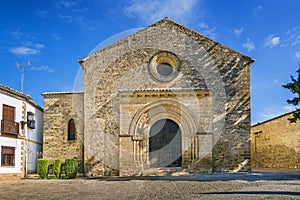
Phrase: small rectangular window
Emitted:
{"points": [[7, 156]]}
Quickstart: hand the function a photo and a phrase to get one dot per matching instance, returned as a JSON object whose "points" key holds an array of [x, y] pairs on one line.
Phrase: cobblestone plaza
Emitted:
{"points": [[268, 185]]}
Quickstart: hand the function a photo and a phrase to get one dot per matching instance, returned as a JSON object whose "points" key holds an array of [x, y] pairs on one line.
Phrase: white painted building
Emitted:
{"points": [[21, 133]]}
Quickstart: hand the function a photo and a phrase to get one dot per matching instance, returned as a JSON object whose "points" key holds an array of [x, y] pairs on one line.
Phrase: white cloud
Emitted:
{"points": [[80, 10], [92, 28], [67, 4], [249, 45], [39, 46], [56, 37], [293, 37], [40, 13], [203, 25], [23, 50], [266, 84], [272, 41], [70, 19], [272, 112], [211, 33], [42, 68], [154, 10], [206, 30], [16, 34], [238, 31], [257, 10], [297, 54], [67, 17], [32, 45], [276, 82], [296, 41], [19, 34]]}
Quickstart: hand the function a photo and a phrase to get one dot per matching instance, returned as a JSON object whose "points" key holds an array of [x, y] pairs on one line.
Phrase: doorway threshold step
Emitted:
{"points": [[169, 171]]}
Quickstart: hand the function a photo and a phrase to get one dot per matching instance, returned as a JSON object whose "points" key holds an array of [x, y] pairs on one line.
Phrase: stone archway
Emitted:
{"points": [[165, 144], [146, 108], [146, 118]]}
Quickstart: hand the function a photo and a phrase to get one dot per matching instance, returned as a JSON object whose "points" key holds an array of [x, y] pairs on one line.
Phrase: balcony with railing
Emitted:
{"points": [[9, 127]]}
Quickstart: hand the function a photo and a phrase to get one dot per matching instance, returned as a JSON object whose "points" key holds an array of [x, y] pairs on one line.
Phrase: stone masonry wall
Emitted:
{"points": [[204, 64], [59, 108], [276, 144]]}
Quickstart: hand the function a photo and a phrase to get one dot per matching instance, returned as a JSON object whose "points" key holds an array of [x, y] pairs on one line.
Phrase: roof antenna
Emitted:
{"points": [[21, 67]]}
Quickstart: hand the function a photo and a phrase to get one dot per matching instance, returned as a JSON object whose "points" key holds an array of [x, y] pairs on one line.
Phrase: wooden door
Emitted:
{"points": [[165, 144]]}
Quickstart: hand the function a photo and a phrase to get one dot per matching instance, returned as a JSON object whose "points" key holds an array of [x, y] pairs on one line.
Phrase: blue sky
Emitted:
{"points": [[54, 35]]}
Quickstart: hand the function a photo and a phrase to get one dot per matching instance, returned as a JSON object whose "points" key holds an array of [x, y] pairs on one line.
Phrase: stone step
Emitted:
{"points": [[176, 171]]}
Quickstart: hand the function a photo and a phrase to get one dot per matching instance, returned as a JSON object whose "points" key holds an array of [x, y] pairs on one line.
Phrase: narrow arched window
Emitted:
{"points": [[71, 130]]}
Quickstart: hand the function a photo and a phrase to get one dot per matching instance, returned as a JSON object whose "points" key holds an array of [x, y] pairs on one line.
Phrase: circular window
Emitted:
{"points": [[164, 66], [164, 69]]}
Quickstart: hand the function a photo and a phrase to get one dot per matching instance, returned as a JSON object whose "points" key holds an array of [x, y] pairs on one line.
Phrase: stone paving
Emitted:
{"points": [[263, 185]]}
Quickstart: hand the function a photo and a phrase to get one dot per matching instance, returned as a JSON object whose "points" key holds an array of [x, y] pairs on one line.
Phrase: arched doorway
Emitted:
{"points": [[165, 144]]}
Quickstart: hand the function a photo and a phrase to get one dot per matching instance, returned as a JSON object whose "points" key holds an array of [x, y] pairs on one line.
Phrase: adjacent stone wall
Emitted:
{"points": [[275, 144], [59, 108]]}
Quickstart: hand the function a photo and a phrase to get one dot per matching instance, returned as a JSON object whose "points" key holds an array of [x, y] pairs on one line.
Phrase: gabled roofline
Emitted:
{"points": [[156, 24], [19, 95], [283, 115], [35, 105], [59, 93], [12, 92], [195, 32]]}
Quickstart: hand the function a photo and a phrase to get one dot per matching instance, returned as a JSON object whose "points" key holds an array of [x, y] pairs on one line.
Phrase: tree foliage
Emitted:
{"points": [[294, 87]]}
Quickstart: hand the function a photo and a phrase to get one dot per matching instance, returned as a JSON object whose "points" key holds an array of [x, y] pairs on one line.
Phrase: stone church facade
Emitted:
{"points": [[162, 99]]}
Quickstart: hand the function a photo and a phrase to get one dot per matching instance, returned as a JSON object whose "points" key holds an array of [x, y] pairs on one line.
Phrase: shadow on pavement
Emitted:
{"points": [[255, 193], [257, 176]]}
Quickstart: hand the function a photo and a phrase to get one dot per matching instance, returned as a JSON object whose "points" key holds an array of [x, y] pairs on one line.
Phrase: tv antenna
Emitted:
{"points": [[21, 67]]}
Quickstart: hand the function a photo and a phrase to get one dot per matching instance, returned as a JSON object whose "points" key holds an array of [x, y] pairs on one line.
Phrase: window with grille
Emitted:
{"points": [[7, 156]]}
